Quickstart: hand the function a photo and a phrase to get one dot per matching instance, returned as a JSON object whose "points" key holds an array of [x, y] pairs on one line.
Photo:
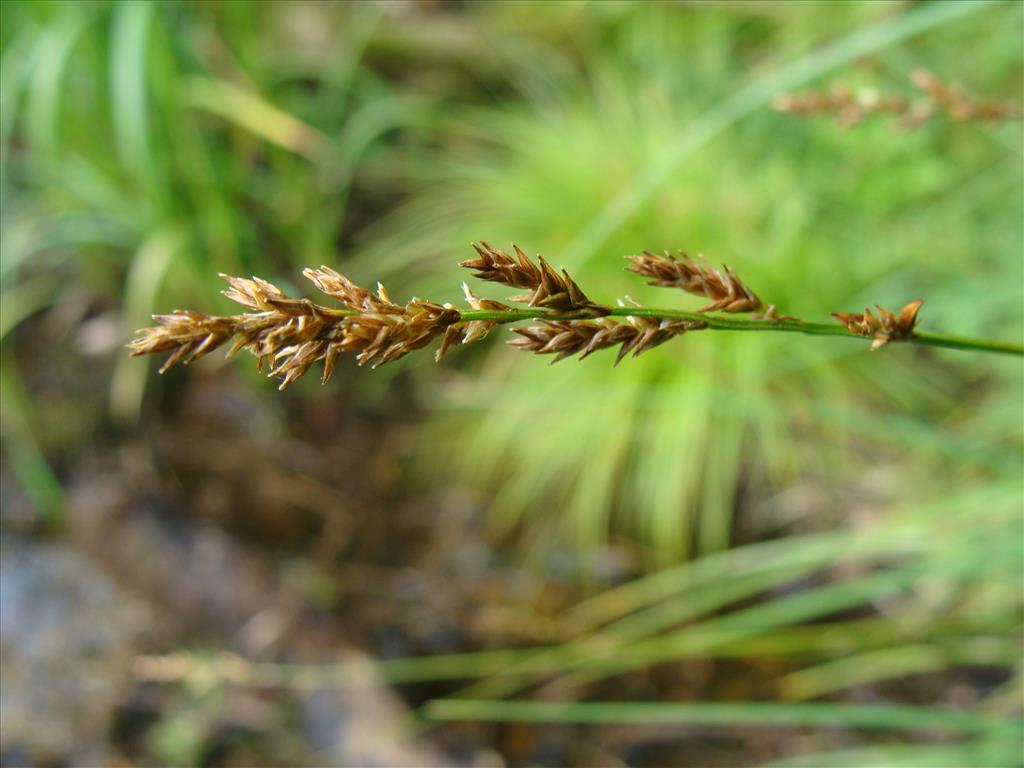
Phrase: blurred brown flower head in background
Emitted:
{"points": [[936, 99]]}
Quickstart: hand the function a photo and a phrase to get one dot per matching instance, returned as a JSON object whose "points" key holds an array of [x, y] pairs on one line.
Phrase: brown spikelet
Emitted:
{"points": [[472, 330], [292, 334], [189, 334], [382, 337], [652, 331], [727, 292], [348, 293], [496, 266], [564, 338], [956, 104], [884, 328], [254, 294], [549, 289], [848, 107]]}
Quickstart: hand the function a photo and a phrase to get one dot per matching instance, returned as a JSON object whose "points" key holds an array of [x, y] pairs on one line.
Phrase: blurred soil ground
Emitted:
{"points": [[206, 529]]}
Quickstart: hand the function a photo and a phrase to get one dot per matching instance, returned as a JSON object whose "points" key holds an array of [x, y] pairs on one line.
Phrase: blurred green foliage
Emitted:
{"points": [[665, 449], [147, 147]]}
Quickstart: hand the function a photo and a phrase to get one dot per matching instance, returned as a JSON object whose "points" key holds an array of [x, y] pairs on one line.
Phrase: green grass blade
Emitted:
{"points": [[256, 115], [890, 663], [53, 53], [22, 448], [145, 277], [873, 717], [128, 86]]}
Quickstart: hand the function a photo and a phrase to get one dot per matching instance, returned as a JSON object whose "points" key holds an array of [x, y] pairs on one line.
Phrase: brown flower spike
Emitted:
{"points": [[472, 330], [548, 288], [937, 99], [289, 335], [884, 328], [727, 292], [189, 334], [564, 338], [292, 334]]}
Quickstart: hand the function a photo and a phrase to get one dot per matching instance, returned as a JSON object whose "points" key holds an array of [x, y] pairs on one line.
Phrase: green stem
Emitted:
{"points": [[958, 342], [877, 717], [727, 323], [723, 323]]}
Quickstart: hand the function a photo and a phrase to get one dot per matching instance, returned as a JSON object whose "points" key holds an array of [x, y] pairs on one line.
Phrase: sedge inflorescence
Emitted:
{"points": [[935, 99], [288, 335], [564, 338]]}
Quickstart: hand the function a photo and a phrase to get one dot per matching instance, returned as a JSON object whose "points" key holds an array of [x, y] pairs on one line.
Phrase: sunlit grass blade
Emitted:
{"points": [[603, 657], [662, 495], [130, 37], [673, 582], [256, 115], [50, 239], [890, 663], [23, 301], [42, 112], [749, 622], [722, 468]]}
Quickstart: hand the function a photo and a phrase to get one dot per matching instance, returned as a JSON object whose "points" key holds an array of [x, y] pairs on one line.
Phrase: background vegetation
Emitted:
{"points": [[767, 519]]}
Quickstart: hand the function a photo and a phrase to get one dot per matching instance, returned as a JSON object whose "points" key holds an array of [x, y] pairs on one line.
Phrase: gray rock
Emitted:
{"points": [[67, 634]]}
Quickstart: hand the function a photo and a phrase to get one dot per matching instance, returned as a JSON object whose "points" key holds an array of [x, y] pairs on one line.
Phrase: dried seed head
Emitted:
{"points": [[727, 291], [472, 330], [290, 335], [497, 266], [564, 338], [884, 328], [549, 289], [189, 334], [255, 293], [348, 293], [652, 331], [381, 338]]}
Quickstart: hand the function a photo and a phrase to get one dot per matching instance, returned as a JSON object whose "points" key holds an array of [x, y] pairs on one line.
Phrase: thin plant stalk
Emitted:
{"points": [[719, 323], [875, 717]]}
